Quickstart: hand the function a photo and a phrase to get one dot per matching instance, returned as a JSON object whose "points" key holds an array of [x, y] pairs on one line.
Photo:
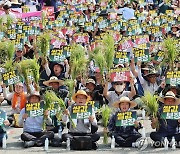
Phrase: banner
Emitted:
{"points": [[126, 118], [171, 112], [141, 55], [81, 111], [10, 78], [120, 74], [34, 109], [173, 78], [2, 117], [121, 57], [58, 55], [95, 105]]}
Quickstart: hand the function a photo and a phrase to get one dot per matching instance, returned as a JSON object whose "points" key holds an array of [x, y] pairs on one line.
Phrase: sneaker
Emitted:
{"points": [[29, 144]]}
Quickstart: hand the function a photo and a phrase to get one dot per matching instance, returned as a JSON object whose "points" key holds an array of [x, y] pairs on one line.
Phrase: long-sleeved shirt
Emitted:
{"points": [[32, 124]]}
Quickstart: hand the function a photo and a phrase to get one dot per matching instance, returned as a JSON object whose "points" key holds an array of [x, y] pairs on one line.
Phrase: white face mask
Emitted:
{"points": [[119, 88]]}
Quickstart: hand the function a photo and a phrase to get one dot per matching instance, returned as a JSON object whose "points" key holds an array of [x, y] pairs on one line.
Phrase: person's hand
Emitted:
{"points": [[179, 120], [131, 80], [136, 124], [46, 113], [6, 123], [154, 123], [91, 118], [139, 64], [3, 86], [163, 84], [105, 130], [66, 112], [25, 115]]}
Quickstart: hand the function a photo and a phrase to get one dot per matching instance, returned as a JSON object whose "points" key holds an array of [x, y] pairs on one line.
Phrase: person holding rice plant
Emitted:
{"points": [[165, 127], [32, 126], [125, 136], [85, 127]]}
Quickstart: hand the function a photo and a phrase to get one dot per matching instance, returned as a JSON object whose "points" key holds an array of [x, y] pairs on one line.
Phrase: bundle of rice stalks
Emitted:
{"points": [[109, 50], [151, 104], [171, 52], [9, 21], [44, 44], [106, 112], [25, 67], [9, 66], [78, 62], [70, 83], [50, 97]]}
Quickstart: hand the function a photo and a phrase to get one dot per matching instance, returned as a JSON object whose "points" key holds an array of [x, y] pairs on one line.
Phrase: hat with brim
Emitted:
{"points": [[170, 94], [35, 93], [152, 72], [124, 99], [80, 92], [28, 44], [91, 81], [7, 5], [53, 79], [15, 2]]}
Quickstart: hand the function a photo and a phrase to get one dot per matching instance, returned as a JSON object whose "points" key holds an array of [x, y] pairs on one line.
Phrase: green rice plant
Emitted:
{"points": [[9, 21], [78, 62], [109, 51], [151, 104], [50, 97], [70, 83], [171, 52], [106, 112]]}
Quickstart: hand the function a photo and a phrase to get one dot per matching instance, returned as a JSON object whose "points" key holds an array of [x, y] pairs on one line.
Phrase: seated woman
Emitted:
{"points": [[17, 98], [32, 126], [165, 127], [125, 136], [84, 127]]}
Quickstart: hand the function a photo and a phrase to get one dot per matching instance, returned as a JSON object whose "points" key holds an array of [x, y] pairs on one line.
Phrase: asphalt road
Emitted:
{"points": [[15, 145]]}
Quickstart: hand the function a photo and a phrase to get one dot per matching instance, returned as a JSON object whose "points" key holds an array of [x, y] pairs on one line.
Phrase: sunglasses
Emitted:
{"points": [[118, 83]]}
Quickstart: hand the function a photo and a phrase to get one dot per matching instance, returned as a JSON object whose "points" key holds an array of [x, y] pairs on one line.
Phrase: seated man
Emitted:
{"points": [[32, 126], [165, 127], [125, 136], [84, 127]]}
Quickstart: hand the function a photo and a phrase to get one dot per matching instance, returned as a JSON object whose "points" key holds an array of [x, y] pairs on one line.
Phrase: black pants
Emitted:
{"points": [[94, 137], [156, 136], [126, 141], [38, 137]]}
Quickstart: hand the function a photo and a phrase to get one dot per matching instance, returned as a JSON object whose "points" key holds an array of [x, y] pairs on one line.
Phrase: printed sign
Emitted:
{"points": [[81, 111], [173, 78], [171, 112], [10, 78], [34, 109], [121, 57], [53, 109], [120, 74], [57, 55], [141, 55], [126, 118], [94, 104], [159, 56]]}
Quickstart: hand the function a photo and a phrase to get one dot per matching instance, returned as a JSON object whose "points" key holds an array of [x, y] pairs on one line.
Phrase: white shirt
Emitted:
{"points": [[127, 13]]}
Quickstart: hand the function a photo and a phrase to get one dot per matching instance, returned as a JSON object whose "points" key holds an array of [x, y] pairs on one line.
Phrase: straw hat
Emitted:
{"points": [[152, 72], [91, 81], [53, 79], [35, 93], [170, 94], [80, 92], [124, 99]]}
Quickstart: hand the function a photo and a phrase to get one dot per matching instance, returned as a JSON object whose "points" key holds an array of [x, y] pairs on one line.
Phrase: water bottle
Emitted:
{"points": [[143, 114], [166, 143], [4, 142], [113, 142], [60, 132], [173, 141], [143, 132], [46, 144], [68, 144]]}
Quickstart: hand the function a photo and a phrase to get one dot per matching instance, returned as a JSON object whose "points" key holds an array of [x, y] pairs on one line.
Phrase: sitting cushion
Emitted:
{"points": [[81, 143]]}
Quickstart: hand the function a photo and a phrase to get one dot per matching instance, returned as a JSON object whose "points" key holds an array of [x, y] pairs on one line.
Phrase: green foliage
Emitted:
{"points": [[78, 61], [151, 104], [70, 83], [171, 52]]}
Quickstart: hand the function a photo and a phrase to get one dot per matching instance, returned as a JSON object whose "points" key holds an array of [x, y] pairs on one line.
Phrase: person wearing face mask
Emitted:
{"points": [[119, 86]]}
